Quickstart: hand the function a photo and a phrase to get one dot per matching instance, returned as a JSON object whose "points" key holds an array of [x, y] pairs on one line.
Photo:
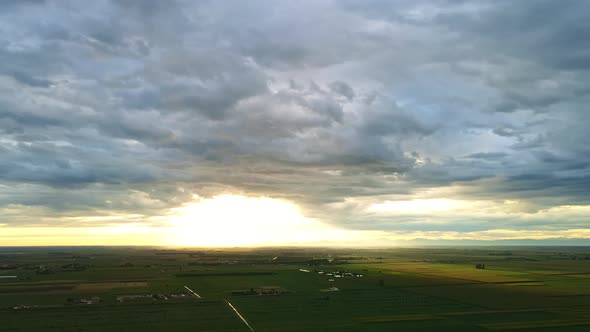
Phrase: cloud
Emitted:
{"points": [[332, 105]]}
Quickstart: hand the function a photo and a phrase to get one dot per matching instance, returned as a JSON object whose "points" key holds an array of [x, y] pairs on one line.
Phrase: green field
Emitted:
{"points": [[289, 289]]}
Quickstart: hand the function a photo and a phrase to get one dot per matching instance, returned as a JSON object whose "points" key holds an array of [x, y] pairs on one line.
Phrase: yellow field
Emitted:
{"points": [[455, 271]]}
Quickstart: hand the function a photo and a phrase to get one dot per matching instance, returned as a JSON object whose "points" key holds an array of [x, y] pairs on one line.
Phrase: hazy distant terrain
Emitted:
{"points": [[286, 289]]}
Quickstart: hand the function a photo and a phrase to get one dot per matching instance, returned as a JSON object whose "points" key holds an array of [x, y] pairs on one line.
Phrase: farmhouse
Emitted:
{"points": [[264, 290], [8, 266], [92, 300], [330, 289]]}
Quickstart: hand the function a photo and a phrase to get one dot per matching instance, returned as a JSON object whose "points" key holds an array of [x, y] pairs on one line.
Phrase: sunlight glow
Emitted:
{"points": [[242, 221], [231, 220]]}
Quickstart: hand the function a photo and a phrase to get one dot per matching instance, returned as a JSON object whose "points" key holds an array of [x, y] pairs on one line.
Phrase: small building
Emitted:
{"points": [[330, 289]]}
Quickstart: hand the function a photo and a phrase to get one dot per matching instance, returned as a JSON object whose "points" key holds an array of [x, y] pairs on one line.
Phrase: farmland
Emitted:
{"points": [[294, 289]]}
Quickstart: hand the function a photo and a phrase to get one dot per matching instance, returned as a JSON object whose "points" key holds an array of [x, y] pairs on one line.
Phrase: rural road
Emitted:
{"points": [[195, 294], [239, 315]]}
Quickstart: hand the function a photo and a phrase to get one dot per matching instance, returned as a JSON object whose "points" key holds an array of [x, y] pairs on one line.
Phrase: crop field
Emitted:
{"points": [[294, 289]]}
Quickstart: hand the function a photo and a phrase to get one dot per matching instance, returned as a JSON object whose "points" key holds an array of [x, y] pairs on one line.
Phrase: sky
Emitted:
{"points": [[324, 122]]}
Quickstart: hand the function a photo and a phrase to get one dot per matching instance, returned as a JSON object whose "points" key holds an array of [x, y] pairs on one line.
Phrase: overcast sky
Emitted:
{"points": [[438, 119]]}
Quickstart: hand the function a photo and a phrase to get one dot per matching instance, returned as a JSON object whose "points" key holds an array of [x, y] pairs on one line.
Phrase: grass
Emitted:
{"points": [[534, 289]]}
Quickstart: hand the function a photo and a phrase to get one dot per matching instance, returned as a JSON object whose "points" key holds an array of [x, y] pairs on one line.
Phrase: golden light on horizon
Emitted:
{"points": [[123, 234], [250, 221], [233, 220]]}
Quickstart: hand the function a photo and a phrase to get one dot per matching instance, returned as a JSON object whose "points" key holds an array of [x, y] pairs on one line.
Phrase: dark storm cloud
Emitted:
{"points": [[343, 89], [29, 80], [335, 105], [557, 28]]}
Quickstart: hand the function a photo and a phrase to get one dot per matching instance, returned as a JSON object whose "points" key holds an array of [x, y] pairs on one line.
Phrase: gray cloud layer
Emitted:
{"points": [[115, 105]]}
